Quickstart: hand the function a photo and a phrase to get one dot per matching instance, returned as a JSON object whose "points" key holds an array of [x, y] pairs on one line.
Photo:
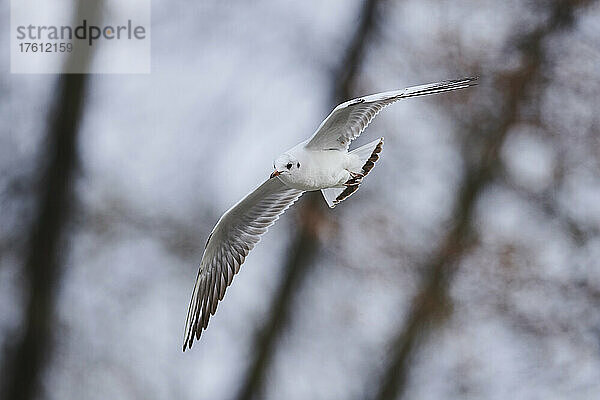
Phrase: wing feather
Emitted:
{"points": [[348, 120], [236, 233]]}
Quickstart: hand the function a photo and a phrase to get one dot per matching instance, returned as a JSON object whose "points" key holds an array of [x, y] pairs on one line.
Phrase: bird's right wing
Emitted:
{"points": [[236, 233], [348, 120]]}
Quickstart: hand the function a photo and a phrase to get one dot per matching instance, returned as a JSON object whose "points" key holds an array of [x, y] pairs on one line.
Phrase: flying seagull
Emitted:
{"points": [[320, 163]]}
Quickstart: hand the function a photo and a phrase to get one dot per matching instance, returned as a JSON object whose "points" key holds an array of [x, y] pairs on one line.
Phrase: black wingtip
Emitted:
{"points": [[187, 344], [470, 80]]}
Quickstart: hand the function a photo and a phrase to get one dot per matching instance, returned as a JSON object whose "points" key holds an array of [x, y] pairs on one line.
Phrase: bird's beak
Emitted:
{"points": [[275, 173]]}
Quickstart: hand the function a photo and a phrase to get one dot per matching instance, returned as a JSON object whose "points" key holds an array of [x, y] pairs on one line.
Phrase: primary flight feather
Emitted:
{"points": [[320, 163]]}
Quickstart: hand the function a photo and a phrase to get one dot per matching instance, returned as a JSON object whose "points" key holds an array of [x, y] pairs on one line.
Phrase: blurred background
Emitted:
{"points": [[465, 267]]}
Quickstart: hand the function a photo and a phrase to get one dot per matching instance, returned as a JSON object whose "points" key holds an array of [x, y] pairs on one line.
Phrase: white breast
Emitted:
{"points": [[318, 169]]}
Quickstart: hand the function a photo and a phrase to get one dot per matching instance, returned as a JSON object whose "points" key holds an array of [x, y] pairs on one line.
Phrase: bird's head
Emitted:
{"points": [[286, 164]]}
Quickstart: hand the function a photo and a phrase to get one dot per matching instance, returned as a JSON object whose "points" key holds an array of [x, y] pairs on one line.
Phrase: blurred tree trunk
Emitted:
{"points": [[43, 257], [42, 261], [518, 88], [306, 243]]}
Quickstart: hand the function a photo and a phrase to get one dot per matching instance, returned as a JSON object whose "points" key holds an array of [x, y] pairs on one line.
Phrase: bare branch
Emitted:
{"points": [[43, 258], [312, 218], [431, 301]]}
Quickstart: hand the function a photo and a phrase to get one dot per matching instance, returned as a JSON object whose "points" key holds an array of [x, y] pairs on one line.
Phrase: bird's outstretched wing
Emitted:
{"points": [[348, 120], [236, 233]]}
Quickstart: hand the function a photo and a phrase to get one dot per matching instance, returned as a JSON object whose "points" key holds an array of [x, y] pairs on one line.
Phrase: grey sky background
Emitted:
{"points": [[233, 85]]}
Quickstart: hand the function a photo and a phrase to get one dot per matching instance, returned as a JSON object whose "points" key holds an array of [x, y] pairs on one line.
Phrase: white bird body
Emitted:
{"points": [[319, 169], [322, 162]]}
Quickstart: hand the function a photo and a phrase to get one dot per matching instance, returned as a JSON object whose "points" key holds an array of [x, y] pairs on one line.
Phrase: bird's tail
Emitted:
{"points": [[438, 87], [368, 156]]}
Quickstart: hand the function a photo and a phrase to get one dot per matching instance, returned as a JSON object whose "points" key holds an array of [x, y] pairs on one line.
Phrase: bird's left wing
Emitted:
{"points": [[348, 120], [236, 233]]}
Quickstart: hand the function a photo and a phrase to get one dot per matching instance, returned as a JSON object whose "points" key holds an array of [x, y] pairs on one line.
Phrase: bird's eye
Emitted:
{"points": [[298, 165], [289, 166]]}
